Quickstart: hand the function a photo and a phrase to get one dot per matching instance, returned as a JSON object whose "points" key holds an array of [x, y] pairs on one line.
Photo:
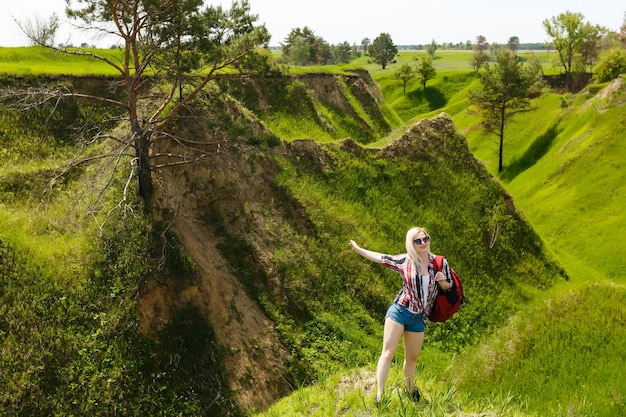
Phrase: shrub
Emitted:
{"points": [[611, 64]]}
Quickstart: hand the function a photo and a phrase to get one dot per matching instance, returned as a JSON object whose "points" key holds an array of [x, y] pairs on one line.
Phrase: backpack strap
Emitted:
{"points": [[438, 266], [438, 263]]}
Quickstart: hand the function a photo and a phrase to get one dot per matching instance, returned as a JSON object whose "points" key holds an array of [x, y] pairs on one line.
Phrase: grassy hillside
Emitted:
{"points": [[322, 107], [562, 164], [582, 166], [70, 275], [577, 340], [36, 60], [562, 161], [563, 357], [285, 237], [68, 331]]}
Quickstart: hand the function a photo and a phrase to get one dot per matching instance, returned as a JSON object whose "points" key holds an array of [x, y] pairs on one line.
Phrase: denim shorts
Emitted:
{"points": [[412, 322]]}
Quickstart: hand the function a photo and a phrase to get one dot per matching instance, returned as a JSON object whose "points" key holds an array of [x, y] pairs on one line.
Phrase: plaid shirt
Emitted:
{"points": [[410, 296]]}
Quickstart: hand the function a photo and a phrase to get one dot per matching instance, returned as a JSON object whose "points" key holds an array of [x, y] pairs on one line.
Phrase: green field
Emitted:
{"points": [[37, 61]]}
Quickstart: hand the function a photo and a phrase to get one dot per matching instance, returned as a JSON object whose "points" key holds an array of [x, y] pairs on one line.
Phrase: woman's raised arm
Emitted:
{"points": [[367, 254]]}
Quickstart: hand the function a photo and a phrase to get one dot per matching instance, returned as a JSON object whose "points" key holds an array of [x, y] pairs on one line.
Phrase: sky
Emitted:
{"points": [[408, 22]]}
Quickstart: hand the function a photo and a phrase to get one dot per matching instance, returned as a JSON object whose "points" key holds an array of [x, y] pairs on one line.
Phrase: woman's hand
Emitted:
{"points": [[440, 277]]}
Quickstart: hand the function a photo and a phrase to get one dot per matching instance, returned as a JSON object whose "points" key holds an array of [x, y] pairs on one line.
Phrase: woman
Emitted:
{"points": [[408, 314]]}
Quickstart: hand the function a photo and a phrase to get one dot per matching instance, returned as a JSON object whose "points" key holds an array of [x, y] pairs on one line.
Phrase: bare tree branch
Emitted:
{"points": [[40, 32], [29, 98]]}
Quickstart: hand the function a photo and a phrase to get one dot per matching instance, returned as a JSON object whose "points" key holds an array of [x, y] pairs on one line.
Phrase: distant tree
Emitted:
{"points": [[300, 51], [591, 45], [405, 73], [365, 44], [566, 31], [481, 44], [341, 53], [298, 38], [40, 32], [383, 51], [425, 70], [505, 91], [317, 51], [513, 44], [479, 60], [432, 48], [578, 43], [481, 56], [321, 51]]}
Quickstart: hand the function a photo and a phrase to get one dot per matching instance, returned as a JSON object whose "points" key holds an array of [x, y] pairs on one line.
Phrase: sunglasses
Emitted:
{"points": [[419, 241]]}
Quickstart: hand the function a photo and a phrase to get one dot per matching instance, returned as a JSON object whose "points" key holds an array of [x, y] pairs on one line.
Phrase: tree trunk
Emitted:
{"points": [[144, 174], [500, 155], [501, 134], [141, 141]]}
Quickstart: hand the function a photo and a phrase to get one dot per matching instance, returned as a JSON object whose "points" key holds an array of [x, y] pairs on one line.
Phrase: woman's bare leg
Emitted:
{"points": [[392, 334], [413, 342]]}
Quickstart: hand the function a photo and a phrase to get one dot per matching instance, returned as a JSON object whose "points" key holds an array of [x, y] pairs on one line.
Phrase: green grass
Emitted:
{"points": [[574, 185], [352, 393], [68, 328], [289, 127], [52, 235], [36, 60], [440, 92], [563, 166], [577, 340]]}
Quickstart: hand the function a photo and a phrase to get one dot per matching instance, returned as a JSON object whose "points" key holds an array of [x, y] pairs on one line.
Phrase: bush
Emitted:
{"points": [[611, 64]]}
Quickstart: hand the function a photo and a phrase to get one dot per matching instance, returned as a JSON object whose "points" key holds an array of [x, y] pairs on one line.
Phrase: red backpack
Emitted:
{"points": [[447, 302]]}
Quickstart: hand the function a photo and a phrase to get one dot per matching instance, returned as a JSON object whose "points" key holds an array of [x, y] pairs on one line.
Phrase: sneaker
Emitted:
{"points": [[415, 395]]}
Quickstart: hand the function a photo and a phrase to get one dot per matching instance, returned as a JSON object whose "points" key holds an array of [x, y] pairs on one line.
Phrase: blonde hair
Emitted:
{"points": [[410, 248]]}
